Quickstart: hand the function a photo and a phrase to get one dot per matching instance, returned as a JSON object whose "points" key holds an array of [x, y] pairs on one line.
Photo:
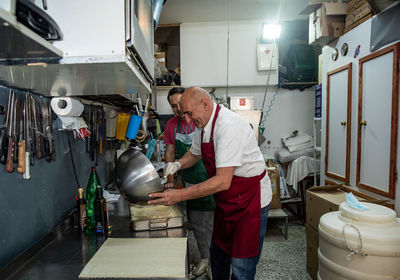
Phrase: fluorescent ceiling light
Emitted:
{"points": [[271, 31]]}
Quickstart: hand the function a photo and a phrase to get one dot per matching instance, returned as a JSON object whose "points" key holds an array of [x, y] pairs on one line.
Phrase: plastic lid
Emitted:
{"points": [[374, 214]]}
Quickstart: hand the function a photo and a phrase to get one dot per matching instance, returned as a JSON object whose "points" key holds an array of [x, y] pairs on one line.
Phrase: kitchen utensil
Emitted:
{"points": [[136, 177], [294, 134]]}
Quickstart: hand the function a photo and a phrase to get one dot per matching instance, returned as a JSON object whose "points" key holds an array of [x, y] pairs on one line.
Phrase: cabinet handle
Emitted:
{"points": [[363, 123], [343, 123]]}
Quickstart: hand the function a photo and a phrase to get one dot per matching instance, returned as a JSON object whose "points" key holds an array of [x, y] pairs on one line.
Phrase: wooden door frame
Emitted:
{"points": [[394, 120], [346, 178]]}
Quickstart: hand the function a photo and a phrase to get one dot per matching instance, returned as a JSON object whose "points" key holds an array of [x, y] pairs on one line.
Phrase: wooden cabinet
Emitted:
{"points": [[373, 154], [338, 123], [378, 93]]}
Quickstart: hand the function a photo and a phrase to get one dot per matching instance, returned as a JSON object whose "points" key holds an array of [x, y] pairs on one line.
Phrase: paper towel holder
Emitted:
{"points": [[62, 104]]}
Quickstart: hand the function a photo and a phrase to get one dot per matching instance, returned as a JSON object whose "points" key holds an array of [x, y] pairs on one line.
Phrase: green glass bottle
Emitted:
{"points": [[100, 213], [90, 197]]}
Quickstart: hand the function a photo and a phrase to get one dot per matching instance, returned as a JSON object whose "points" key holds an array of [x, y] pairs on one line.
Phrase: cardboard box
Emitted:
{"points": [[357, 14], [312, 251], [321, 200], [160, 57], [353, 5], [326, 21], [273, 173]]}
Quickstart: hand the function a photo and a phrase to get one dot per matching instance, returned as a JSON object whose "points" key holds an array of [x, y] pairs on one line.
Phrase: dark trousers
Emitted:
{"points": [[242, 268]]}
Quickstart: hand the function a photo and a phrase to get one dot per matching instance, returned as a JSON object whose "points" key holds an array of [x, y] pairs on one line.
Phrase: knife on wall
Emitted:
{"points": [[11, 131], [21, 141], [4, 131]]}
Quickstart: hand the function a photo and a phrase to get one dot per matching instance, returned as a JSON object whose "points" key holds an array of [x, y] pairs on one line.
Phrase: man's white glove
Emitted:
{"points": [[171, 168]]}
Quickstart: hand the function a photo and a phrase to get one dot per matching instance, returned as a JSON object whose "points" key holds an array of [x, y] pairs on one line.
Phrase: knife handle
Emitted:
{"points": [[53, 149], [21, 157], [38, 145], [10, 155], [27, 174]]}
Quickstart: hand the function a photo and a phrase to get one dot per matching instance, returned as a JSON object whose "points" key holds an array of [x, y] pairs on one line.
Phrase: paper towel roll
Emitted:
{"points": [[67, 106]]}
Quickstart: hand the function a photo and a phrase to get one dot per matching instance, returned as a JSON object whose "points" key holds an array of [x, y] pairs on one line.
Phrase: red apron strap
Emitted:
{"points": [[207, 149]]}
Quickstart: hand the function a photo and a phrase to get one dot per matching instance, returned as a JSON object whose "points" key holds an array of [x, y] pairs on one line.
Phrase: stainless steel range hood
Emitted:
{"points": [[91, 60], [78, 77]]}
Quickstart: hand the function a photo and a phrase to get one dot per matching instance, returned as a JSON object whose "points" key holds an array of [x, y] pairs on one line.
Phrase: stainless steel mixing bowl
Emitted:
{"points": [[136, 177]]}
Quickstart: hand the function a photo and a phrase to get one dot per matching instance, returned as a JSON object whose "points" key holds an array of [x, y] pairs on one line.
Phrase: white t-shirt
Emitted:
{"points": [[235, 145]]}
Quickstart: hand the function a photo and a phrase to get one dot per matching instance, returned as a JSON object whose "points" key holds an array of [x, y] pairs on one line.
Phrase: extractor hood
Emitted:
{"points": [[92, 59], [78, 77]]}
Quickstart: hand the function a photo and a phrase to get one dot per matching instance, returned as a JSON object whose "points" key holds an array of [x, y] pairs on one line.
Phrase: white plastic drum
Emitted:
{"points": [[355, 244]]}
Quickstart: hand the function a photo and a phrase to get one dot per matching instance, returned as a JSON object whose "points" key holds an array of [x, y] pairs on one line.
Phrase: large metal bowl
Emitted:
{"points": [[136, 177]]}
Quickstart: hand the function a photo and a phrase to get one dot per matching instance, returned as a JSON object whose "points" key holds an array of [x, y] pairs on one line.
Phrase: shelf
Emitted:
{"points": [[300, 83], [167, 87], [20, 43]]}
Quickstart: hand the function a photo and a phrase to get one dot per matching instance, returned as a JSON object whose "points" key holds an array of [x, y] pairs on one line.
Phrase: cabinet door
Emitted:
{"points": [[377, 121], [338, 123]]}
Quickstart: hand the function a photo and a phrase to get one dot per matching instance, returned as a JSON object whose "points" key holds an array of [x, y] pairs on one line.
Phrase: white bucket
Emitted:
{"points": [[373, 235]]}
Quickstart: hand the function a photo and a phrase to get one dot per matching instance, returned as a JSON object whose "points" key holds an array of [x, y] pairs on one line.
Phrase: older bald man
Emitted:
{"points": [[237, 178]]}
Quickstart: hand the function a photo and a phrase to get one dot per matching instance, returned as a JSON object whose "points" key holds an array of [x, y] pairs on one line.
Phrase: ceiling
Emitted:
{"points": [[181, 11]]}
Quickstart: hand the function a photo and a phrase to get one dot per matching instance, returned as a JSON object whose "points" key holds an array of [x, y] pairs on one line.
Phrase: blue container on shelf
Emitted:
{"points": [[318, 101], [133, 126]]}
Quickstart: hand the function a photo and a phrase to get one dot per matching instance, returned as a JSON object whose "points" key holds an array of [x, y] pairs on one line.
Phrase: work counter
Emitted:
{"points": [[65, 251]]}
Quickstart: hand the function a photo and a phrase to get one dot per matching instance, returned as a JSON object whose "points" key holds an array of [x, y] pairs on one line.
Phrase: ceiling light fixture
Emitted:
{"points": [[270, 31]]}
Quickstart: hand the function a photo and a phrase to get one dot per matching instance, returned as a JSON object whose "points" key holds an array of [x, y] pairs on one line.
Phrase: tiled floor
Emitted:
{"points": [[280, 258]]}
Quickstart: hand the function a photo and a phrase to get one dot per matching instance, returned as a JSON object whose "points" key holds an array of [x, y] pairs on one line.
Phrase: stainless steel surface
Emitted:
{"points": [[64, 252], [10, 114], [155, 217], [142, 32], [136, 177], [19, 42], [83, 76], [92, 60]]}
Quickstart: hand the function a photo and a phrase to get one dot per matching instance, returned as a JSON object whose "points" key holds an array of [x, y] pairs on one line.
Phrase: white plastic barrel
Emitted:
{"points": [[360, 245]]}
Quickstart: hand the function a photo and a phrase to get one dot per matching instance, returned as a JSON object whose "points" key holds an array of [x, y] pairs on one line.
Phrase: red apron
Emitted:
{"points": [[238, 209]]}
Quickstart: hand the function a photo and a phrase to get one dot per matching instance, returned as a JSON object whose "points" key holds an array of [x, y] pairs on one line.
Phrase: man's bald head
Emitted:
{"points": [[195, 94], [197, 106]]}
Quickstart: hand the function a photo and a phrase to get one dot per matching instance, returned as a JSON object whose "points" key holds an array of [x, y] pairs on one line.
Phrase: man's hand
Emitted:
{"points": [[171, 168], [169, 185], [168, 197]]}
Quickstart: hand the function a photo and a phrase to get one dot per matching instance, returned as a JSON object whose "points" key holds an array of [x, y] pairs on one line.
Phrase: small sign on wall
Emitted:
{"points": [[242, 103], [267, 56]]}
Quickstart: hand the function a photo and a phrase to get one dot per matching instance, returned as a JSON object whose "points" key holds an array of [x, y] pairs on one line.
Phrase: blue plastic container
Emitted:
{"points": [[133, 126]]}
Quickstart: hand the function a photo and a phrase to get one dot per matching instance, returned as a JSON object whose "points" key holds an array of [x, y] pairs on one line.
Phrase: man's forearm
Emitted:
{"points": [[220, 182]]}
